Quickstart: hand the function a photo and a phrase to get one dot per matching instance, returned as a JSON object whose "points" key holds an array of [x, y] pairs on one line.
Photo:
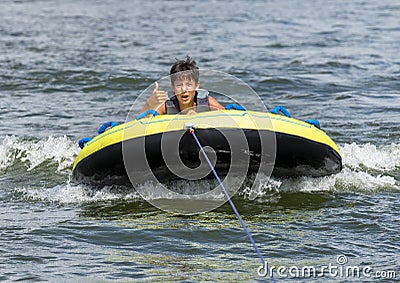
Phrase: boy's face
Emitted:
{"points": [[185, 90]]}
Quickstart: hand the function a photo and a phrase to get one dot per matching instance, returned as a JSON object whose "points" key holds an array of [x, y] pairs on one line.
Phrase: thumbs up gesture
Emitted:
{"points": [[157, 98]]}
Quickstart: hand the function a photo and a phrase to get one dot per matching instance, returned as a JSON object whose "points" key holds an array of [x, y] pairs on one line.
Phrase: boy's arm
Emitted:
{"points": [[214, 104]]}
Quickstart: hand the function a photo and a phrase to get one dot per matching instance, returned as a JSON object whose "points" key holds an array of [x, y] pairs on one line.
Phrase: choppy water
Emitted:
{"points": [[69, 66]]}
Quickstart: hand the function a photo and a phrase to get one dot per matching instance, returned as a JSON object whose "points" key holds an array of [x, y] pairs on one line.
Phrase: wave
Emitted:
{"points": [[34, 152], [270, 191], [368, 156], [62, 151], [367, 168], [69, 193]]}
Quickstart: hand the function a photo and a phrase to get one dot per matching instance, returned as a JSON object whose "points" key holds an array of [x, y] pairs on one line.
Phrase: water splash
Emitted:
{"points": [[69, 193], [367, 168], [368, 156], [32, 152]]}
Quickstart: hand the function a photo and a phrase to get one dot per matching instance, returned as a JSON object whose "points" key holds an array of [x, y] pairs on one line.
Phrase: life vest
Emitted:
{"points": [[202, 104]]}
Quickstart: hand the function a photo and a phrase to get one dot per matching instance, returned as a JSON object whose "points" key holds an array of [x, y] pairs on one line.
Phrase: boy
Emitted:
{"points": [[184, 76]]}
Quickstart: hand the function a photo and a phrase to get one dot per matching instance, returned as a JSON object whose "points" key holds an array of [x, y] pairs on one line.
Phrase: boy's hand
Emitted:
{"points": [[157, 98]]}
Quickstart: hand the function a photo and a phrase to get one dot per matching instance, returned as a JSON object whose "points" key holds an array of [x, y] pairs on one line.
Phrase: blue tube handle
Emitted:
{"points": [[313, 122], [103, 127], [147, 112], [234, 107], [83, 141], [281, 109]]}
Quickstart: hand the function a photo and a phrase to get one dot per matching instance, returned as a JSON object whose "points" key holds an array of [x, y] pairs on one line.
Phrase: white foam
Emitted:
{"points": [[367, 168], [75, 194], [269, 191], [384, 158], [264, 188], [6, 152], [59, 150], [345, 181], [359, 181]]}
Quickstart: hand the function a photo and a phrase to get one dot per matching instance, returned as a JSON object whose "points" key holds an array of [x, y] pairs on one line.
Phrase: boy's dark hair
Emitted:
{"points": [[185, 69]]}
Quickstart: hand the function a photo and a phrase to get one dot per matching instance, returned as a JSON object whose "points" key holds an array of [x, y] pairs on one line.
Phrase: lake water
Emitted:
{"points": [[68, 66]]}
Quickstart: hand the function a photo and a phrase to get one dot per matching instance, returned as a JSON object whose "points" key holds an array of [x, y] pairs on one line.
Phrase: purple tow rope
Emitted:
{"points": [[264, 263]]}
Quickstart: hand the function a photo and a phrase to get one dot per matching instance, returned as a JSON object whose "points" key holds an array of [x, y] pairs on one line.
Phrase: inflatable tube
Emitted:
{"points": [[301, 149]]}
